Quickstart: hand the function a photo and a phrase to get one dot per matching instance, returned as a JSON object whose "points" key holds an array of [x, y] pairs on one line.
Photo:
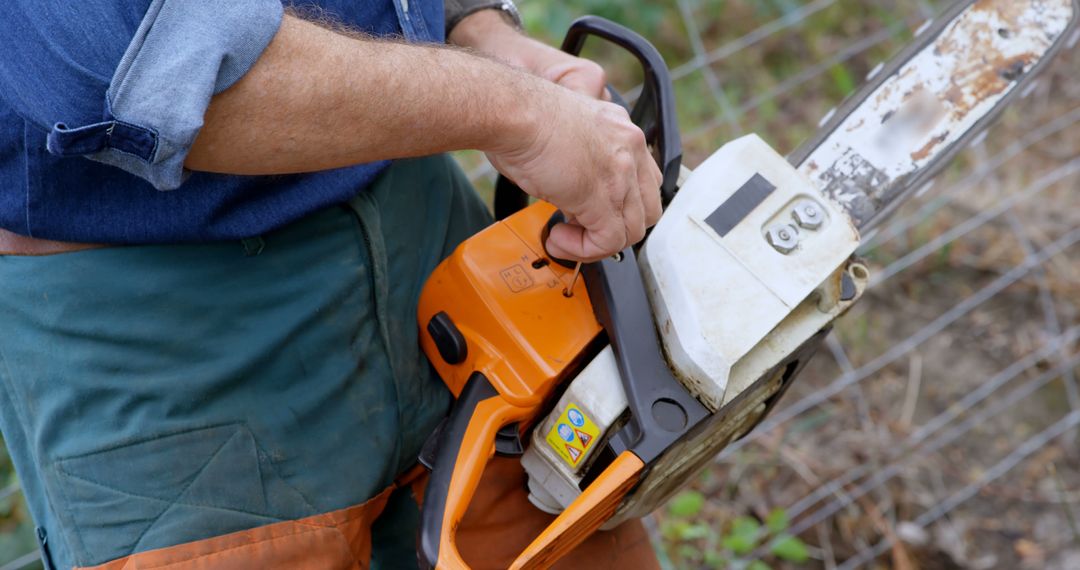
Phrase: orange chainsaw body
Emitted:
{"points": [[506, 336], [506, 301], [506, 298]]}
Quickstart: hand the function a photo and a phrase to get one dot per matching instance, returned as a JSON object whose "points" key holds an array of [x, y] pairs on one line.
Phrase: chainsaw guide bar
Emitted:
{"points": [[893, 135]]}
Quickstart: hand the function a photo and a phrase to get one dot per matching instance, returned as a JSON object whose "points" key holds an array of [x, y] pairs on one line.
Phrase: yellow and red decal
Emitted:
{"points": [[573, 435]]}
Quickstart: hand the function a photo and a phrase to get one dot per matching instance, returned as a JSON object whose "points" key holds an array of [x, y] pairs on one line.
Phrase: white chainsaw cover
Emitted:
{"points": [[716, 283]]}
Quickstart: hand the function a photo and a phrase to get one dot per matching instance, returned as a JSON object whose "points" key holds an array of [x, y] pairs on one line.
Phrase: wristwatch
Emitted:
{"points": [[457, 10]]}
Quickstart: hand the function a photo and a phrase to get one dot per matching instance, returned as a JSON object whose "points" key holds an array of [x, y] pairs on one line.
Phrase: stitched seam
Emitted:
{"points": [[307, 501], [27, 157], [156, 137], [14, 395], [274, 470], [178, 503], [359, 515], [369, 202], [139, 539], [302, 527], [82, 551], [131, 442]]}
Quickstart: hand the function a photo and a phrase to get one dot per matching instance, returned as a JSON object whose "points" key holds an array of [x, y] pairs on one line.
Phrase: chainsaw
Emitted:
{"points": [[617, 388]]}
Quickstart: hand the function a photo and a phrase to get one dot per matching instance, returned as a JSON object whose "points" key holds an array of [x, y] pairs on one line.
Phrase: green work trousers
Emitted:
{"points": [[156, 395]]}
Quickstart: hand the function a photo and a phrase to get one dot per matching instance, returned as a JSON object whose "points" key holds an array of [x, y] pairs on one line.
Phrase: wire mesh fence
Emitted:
{"points": [[938, 427]]}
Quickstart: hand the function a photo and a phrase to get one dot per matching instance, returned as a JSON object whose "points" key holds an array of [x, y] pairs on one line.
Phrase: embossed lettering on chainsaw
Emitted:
{"points": [[516, 278]]}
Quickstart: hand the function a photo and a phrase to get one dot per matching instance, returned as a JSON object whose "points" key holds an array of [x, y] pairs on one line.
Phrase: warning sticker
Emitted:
{"points": [[573, 435]]}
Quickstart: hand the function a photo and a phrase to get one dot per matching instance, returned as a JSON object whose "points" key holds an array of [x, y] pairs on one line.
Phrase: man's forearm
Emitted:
{"points": [[317, 99]]}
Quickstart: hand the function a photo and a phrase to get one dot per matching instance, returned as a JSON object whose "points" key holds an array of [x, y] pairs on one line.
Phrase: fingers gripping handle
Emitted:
{"points": [[654, 111], [465, 445]]}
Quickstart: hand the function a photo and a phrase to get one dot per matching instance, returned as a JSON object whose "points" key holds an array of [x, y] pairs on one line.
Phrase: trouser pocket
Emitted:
{"points": [[167, 490]]}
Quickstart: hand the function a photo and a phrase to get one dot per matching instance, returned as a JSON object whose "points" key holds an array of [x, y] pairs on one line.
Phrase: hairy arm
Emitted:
{"points": [[317, 99]]}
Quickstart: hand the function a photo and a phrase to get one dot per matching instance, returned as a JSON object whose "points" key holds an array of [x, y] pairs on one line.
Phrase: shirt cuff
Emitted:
{"points": [[184, 53]]}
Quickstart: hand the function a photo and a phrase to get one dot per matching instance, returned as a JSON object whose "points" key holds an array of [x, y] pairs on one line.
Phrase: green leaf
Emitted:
{"points": [[674, 529], [777, 520], [715, 560], [758, 565], [746, 526], [687, 504], [790, 548], [842, 79], [739, 544], [688, 551], [694, 532], [743, 536]]}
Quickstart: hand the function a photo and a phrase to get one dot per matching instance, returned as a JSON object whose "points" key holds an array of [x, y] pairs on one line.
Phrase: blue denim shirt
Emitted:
{"points": [[100, 101]]}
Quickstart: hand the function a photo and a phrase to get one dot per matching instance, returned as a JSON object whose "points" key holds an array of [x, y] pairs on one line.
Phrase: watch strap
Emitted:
{"points": [[458, 10]]}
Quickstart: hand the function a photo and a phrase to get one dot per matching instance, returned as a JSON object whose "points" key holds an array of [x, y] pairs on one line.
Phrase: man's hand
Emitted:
{"points": [[602, 177]]}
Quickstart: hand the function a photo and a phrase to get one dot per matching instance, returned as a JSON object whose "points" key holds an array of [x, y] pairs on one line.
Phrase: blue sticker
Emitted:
{"points": [[566, 433], [575, 417]]}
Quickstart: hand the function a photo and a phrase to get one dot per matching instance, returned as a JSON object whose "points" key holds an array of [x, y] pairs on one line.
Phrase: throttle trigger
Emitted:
{"points": [[508, 441]]}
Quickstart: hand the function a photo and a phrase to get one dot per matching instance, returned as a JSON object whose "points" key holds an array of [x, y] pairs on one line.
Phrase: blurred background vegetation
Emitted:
{"points": [[948, 347], [775, 67]]}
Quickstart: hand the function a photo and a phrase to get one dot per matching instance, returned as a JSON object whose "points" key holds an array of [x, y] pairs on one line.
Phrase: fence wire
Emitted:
{"points": [[983, 198], [954, 213]]}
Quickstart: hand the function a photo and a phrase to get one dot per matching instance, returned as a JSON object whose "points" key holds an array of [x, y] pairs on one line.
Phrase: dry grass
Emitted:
{"points": [[887, 425], [1025, 517], [941, 446]]}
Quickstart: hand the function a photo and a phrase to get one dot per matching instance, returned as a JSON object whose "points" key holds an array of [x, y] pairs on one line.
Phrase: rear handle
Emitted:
{"points": [[465, 443]]}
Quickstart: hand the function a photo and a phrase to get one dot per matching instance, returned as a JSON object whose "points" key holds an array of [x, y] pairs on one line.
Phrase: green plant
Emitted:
{"points": [[550, 19], [734, 548]]}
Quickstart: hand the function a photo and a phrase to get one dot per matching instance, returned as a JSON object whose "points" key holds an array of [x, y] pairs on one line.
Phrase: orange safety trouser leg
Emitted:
{"points": [[501, 522], [336, 540]]}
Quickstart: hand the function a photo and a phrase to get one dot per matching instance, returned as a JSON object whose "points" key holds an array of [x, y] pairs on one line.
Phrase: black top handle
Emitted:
{"points": [[653, 112]]}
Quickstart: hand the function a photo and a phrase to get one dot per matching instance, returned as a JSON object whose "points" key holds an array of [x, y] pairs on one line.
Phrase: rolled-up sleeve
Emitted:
{"points": [[181, 54]]}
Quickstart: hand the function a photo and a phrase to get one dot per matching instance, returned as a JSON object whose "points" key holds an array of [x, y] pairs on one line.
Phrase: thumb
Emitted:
{"points": [[577, 243]]}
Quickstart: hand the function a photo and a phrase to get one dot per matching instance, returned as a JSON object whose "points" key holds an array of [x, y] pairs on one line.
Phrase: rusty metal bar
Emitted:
{"points": [[892, 136]]}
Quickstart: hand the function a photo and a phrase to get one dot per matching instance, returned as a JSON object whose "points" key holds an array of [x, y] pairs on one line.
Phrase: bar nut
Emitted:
{"points": [[783, 237], [808, 214]]}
